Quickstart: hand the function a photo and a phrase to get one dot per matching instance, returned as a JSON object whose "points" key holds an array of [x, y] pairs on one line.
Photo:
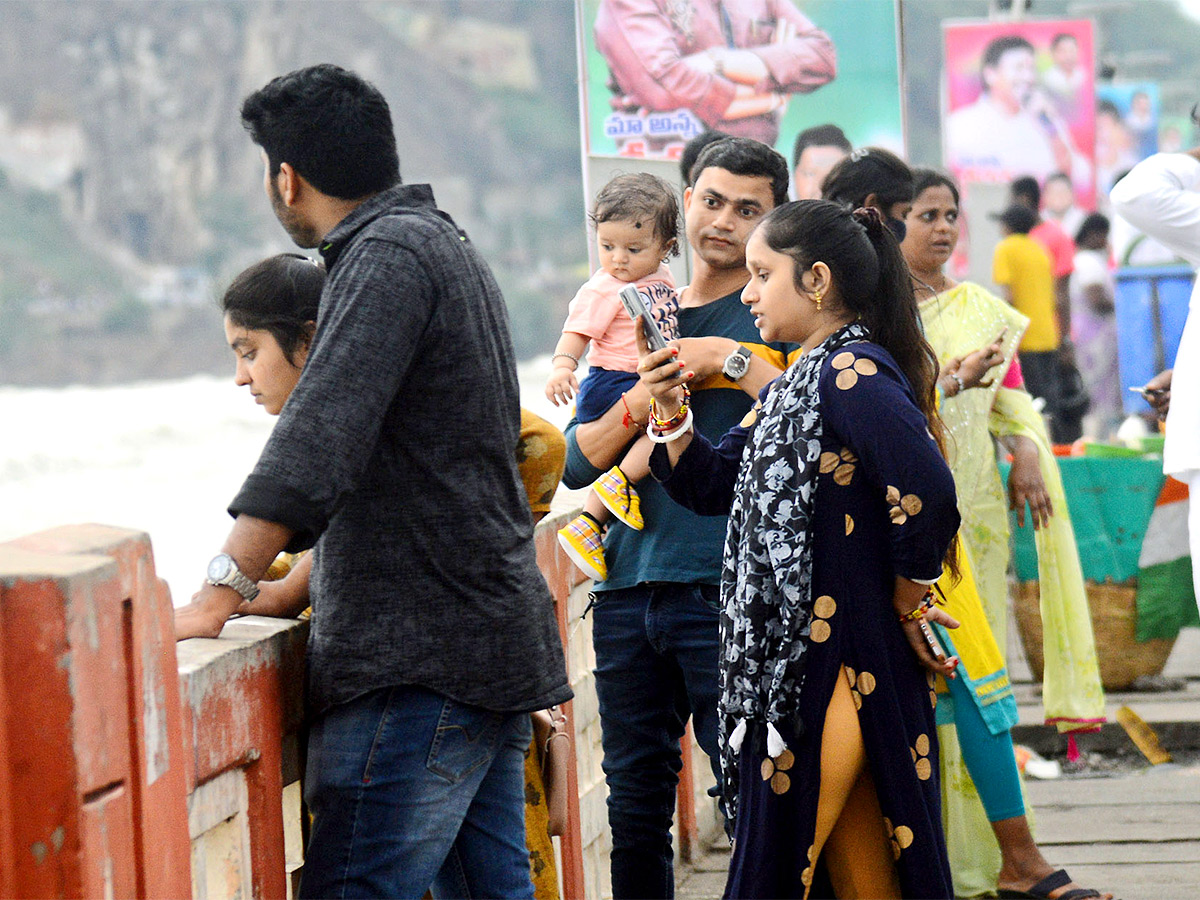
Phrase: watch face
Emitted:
{"points": [[736, 365], [219, 567]]}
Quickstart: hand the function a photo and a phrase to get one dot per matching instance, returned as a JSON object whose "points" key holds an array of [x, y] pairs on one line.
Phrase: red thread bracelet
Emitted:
{"points": [[627, 420]]}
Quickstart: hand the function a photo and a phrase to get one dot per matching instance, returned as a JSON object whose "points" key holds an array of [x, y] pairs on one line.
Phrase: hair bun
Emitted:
{"points": [[868, 217]]}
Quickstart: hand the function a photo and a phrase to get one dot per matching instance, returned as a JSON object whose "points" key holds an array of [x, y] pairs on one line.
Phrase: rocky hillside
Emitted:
{"points": [[131, 183]]}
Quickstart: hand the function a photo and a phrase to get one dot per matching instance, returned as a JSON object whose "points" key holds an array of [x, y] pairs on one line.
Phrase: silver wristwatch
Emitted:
{"points": [[737, 364], [223, 572]]}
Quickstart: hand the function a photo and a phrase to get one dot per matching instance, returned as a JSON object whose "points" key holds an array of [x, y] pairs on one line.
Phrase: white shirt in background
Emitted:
{"points": [[1161, 197]]}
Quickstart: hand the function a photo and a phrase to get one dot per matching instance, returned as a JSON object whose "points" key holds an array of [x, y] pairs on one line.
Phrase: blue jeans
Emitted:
{"points": [[656, 664], [410, 790]]}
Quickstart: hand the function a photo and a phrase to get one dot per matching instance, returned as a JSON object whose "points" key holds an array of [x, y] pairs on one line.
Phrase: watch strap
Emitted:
{"points": [[243, 585]]}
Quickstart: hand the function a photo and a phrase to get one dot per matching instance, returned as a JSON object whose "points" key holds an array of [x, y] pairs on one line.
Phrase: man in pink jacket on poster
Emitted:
{"points": [[733, 63]]}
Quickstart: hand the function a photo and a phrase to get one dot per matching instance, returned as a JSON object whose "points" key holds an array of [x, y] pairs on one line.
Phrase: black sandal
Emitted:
{"points": [[1052, 882]]}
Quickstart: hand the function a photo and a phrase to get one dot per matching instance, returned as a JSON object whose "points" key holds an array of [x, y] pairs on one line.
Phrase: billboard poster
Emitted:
{"points": [[1020, 100], [1127, 123], [659, 72]]}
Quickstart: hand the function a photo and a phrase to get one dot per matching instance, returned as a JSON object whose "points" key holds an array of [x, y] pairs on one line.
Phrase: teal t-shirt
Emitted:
{"points": [[677, 545]]}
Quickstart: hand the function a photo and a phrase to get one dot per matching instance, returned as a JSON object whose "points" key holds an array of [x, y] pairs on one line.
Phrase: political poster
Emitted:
{"points": [[1020, 100], [1127, 125], [659, 72]]}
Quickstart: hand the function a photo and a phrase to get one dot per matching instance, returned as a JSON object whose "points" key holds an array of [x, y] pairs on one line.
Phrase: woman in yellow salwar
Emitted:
{"points": [[989, 842], [959, 318]]}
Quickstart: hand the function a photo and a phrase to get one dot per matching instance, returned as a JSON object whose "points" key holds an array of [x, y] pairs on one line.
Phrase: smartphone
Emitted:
{"points": [[635, 305], [1147, 392], [935, 645]]}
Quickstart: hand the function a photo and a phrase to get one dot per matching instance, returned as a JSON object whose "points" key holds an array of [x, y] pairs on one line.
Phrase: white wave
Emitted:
{"points": [[161, 457]]}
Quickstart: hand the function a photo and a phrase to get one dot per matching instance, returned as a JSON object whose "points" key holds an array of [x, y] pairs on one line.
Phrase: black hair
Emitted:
{"points": [[1001, 45], [1018, 218], [1026, 188], [1107, 106], [692, 150], [872, 281], [870, 274], [745, 156], [331, 126], [924, 179], [1095, 223], [866, 171], [640, 196], [279, 295], [828, 135]]}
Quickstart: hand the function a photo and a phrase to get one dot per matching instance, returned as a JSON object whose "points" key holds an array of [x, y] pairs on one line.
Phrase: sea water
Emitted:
{"points": [[161, 457]]}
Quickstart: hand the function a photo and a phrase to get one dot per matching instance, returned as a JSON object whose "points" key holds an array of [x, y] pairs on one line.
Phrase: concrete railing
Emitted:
{"points": [[117, 779], [94, 776]]}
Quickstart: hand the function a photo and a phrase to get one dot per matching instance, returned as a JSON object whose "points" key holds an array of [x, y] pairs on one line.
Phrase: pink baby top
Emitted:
{"points": [[596, 313]]}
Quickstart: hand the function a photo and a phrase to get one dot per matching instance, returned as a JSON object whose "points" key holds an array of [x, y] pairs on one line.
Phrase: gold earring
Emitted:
{"points": [[817, 297]]}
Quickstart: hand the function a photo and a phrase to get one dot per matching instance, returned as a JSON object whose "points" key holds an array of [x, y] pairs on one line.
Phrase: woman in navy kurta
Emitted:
{"points": [[841, 512]]}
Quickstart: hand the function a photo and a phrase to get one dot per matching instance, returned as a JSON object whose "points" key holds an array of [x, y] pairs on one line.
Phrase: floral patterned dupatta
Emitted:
{"points": [[767, 577]]}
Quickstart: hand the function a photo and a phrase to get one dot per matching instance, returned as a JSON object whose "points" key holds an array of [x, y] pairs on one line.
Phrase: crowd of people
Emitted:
{"points": [[797, 527]]}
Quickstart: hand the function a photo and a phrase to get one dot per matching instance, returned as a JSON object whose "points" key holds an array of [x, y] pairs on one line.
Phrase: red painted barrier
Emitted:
{"points": [[134, 767], [91, 741], [561, 576]]}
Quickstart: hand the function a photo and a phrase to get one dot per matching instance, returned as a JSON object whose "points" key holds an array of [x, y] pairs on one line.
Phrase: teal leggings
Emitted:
{"points": [[989, 757]]}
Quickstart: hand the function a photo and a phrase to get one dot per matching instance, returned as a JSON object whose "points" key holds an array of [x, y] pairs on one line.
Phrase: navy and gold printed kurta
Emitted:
{"points": [[884, 506]]}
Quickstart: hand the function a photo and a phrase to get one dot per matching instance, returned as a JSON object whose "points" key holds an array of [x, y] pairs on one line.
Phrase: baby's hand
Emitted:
{"points": [[562, 386]]}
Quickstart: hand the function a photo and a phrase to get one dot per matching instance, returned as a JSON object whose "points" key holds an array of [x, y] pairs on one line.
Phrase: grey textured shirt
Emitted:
{"points": [[397, 449]]}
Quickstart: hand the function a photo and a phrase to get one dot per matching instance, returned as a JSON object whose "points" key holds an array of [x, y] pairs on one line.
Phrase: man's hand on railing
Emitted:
{"points": [[206, 615]]}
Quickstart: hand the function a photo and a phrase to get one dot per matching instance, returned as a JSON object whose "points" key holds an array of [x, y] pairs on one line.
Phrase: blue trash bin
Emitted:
{"points": [[1152, 305]]}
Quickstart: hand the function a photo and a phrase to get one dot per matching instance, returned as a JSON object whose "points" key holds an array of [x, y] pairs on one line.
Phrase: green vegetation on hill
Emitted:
{"points": [[42, 258], [51, 284]]}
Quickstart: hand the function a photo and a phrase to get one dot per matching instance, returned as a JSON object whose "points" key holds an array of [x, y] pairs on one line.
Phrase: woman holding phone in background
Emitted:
{"points": [[990, 843]]}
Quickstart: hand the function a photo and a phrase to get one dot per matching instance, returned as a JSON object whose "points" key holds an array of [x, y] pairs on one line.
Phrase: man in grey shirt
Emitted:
{"points": [[433, 632]]}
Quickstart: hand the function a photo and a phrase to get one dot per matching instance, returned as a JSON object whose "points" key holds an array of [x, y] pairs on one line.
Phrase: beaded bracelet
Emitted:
{"points": [[574, 359], [927, 603], [958, 381], [665, 437], [672, 423]]}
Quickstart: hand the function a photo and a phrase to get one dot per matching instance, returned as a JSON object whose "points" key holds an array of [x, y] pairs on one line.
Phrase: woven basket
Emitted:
{"points": [[1122, 657]]}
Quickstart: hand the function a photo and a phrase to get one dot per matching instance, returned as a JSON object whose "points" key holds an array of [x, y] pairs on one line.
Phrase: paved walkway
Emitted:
{"points": [[1135, 832]]}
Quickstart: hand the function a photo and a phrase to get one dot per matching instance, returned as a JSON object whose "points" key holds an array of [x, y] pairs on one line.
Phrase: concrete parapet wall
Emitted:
{"points": [[92, 728], [242, 700], [134, 767]]}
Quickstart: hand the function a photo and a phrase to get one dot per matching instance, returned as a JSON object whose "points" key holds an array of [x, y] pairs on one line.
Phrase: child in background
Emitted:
{"points": [[636, 218]]}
